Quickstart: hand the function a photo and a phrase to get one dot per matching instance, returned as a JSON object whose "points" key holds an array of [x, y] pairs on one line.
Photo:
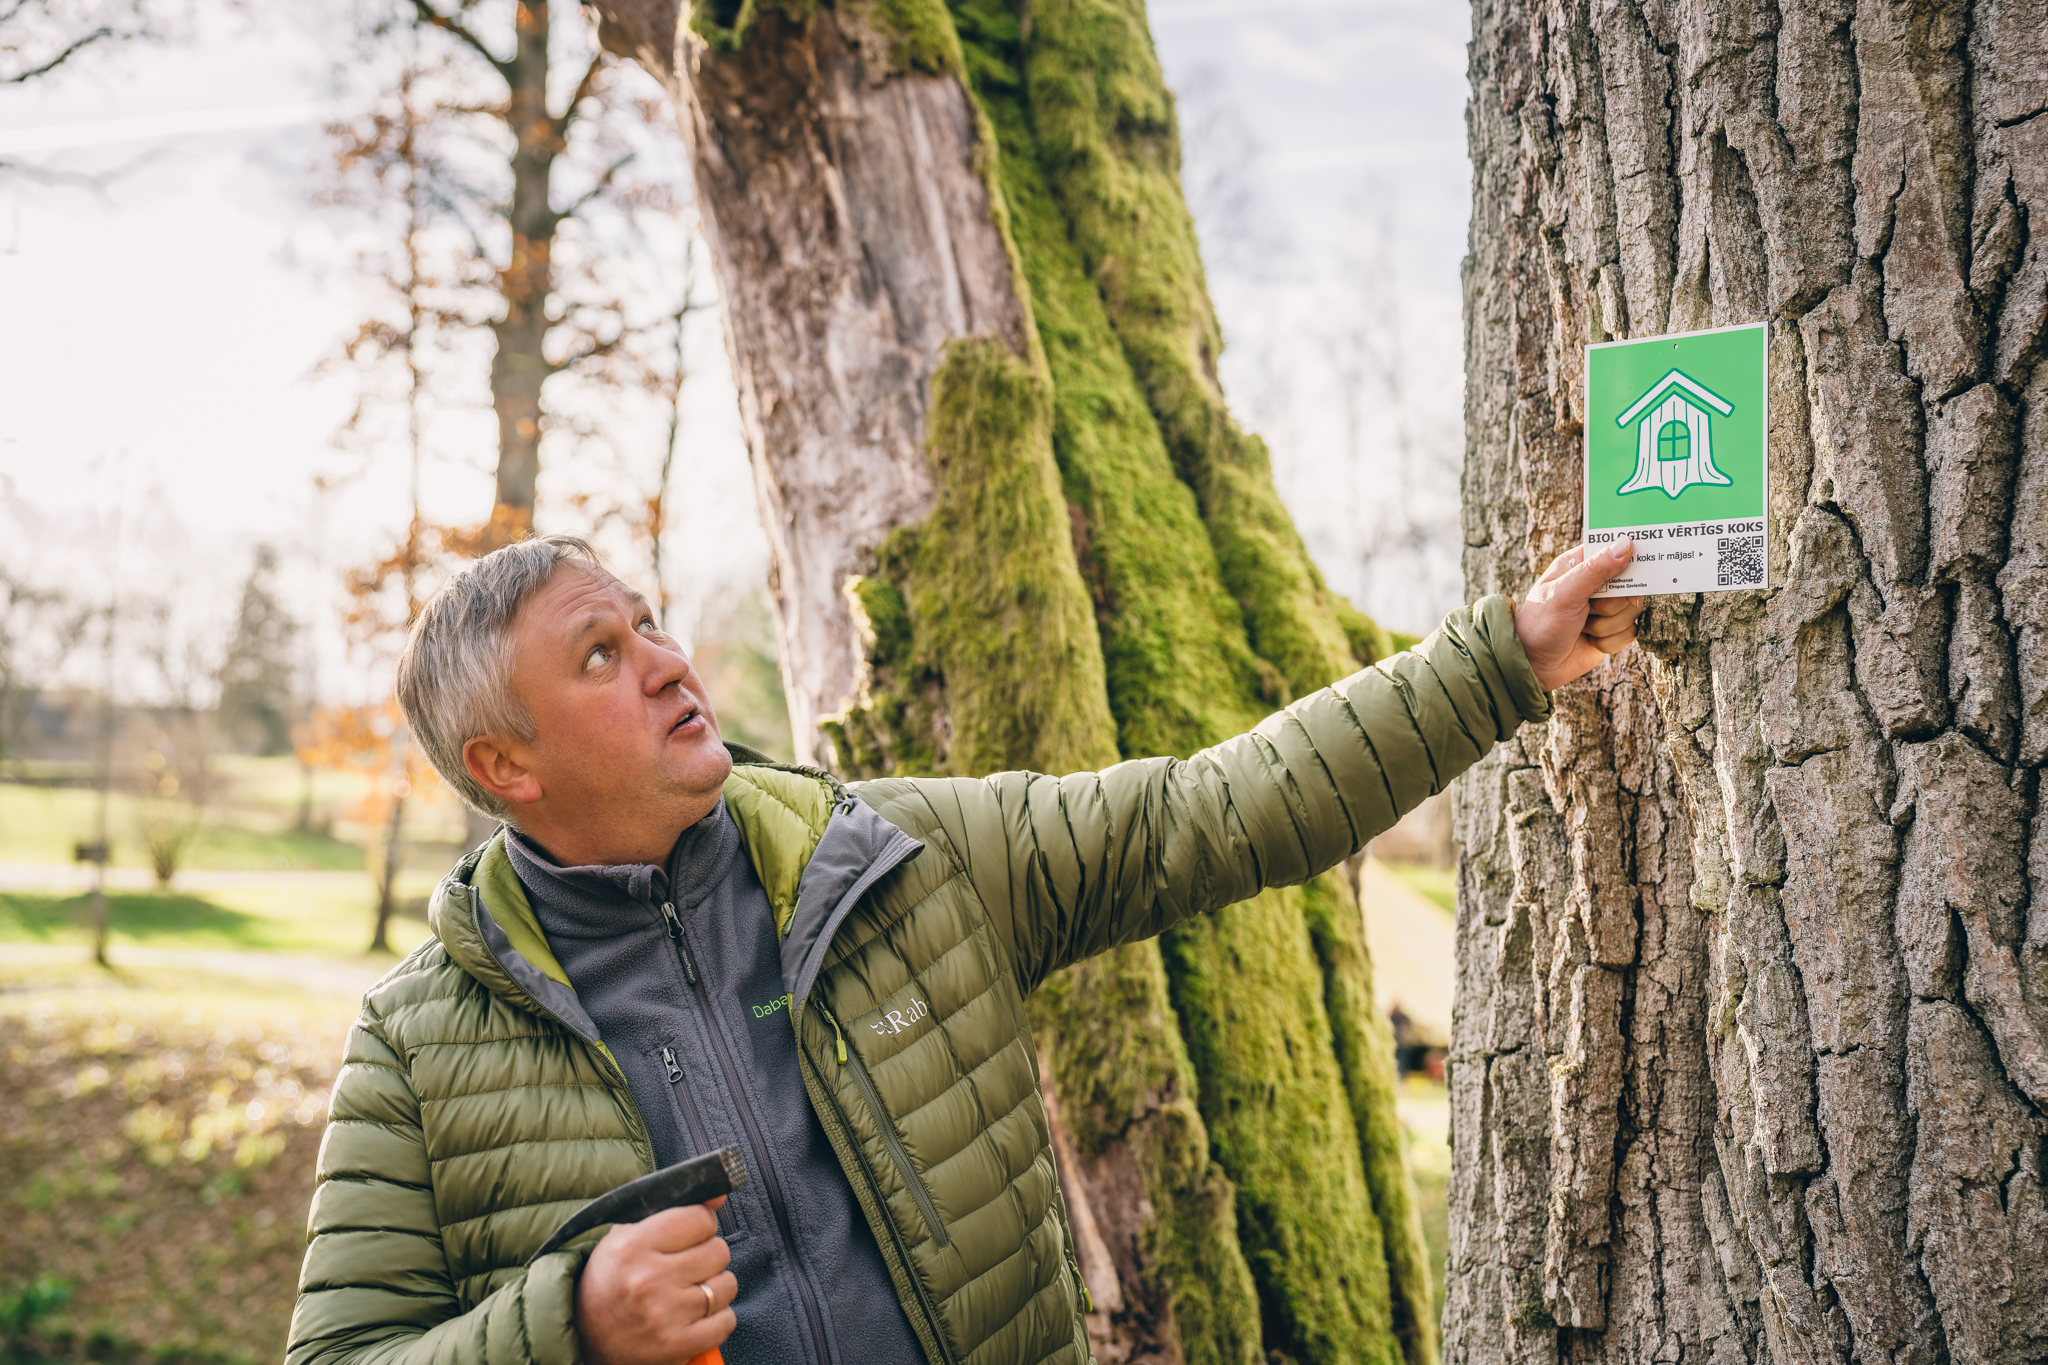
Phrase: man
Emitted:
{"points": [[675, 945]]}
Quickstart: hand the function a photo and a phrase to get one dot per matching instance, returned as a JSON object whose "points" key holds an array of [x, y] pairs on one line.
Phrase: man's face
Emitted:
{"points": [[623, 732]]}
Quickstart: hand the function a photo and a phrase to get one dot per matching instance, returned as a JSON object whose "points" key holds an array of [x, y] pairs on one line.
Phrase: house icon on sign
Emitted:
{"points": [[1674, 441]]}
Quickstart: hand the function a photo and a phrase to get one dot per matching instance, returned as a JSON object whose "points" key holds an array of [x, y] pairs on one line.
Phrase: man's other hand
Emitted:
{"points": [[1563, 630], [641, 1299]]}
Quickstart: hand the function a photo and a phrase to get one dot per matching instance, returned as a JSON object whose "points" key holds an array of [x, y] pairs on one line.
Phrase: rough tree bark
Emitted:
{"points": [[1013, 525], [1748, 1059]]}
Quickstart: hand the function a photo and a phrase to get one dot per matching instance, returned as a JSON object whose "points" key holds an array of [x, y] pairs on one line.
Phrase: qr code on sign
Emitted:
{"points": [[1741, 561]]}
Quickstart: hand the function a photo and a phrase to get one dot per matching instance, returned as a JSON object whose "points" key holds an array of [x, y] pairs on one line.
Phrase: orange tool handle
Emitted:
{"points": [[710, 1357]]}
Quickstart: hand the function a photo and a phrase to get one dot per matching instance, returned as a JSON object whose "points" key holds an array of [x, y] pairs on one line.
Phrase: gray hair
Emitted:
{"points": [[455, 676]]}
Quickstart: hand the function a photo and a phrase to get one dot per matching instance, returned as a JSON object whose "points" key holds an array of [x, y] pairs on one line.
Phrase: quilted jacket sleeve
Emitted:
{"points": [[375, 1286], [1074, 865]]}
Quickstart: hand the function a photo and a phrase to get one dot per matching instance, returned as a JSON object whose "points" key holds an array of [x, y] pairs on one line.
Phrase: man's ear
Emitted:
{"points": [[492, 762]]}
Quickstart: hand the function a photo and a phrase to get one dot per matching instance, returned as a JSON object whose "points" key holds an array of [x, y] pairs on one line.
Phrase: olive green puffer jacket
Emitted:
{"points": [[469, 1119]]}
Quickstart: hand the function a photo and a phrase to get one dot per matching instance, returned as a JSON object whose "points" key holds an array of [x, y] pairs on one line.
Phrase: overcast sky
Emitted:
{"points": [[159, 414]]}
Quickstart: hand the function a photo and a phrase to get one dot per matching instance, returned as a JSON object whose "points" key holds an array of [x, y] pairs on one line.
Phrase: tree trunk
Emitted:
{"points": [[1012, 524], [394, 847], [1748, 1060], [519, 366]]}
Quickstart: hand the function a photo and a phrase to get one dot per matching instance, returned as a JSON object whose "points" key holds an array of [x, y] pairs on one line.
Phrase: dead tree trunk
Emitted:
{"points": [[1748, 1062], [1012, 524]]}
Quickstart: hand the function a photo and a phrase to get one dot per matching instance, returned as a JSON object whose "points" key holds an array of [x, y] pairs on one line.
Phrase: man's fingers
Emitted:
{"points": [[1563, 564], [701, 1262], [1615, 606], [1593, 573], [676, 1229], [1602, 625], [1614, 644], [724, 1289]]}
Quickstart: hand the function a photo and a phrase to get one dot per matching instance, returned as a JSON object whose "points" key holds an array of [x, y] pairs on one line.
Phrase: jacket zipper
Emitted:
{"points": [[1087, 1299], [769, 1182], [887, 1128], [699, 1134], [728, 1218], [822, 1097]]}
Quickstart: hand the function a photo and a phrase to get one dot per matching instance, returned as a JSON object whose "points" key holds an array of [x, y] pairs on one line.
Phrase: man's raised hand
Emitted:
{"points": [[641, 1299], [1563, 630]]}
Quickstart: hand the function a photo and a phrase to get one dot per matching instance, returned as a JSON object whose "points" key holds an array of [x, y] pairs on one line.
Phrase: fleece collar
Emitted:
{"points": [[815, 847]]}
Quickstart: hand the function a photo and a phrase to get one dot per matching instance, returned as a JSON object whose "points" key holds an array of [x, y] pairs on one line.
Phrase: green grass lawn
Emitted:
{"points": [[323, 917], [249, 826], [40, 825], [1439, 884]]}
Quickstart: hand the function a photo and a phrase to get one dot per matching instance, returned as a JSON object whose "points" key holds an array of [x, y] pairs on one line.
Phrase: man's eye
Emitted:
{"points": [[596, 658], [648, 627]]}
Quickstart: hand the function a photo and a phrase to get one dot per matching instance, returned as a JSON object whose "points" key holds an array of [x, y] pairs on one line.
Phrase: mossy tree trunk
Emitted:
{"points": [[1748, 1062], [1012, 524]]}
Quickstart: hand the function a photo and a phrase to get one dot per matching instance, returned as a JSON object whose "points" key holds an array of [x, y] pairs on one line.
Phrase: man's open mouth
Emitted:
{"points": [[688, 715]]}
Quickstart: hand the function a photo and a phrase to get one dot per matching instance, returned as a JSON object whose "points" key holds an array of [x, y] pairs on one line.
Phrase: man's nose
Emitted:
{"points": [[665, 668]]}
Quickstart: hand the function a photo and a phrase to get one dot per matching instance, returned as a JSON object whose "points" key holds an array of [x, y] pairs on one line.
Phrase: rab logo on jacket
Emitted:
{"points": [[896, 1021]]}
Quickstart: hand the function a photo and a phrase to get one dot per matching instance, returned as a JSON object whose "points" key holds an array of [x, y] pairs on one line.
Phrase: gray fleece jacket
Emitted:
{"points": [[679, 969]]}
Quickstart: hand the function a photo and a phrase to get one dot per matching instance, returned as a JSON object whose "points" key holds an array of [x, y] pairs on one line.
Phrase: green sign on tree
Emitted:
{"points": [[1677, 456]]}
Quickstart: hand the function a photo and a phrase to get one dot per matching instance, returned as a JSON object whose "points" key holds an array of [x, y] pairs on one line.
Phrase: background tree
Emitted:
{"points": [[422, 187], [40, 626], [1012, 524], [1749, 1057], [515, 135], [177, 738], [259, 671]]}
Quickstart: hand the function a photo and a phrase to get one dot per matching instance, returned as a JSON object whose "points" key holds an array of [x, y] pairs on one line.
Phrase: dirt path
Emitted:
{"points": [[1414, 949], [75, 878]]}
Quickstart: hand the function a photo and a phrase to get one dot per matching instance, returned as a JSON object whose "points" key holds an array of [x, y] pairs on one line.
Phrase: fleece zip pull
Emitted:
{"points": [[675, 936]]}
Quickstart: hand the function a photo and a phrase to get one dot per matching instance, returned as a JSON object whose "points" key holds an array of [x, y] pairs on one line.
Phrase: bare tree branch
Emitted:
{"points": [[62, 57], [595, 351], [585, 87], [429, 15], [603, 183], [95, 184]]}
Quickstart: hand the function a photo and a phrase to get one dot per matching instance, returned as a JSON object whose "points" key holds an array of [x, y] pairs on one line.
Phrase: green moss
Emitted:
{"points": [[1364, 1043], [1369, 640], [1251, 999], [1181, 673], [1123, 1074], [725, 24], [921, 35], [981, 648], [1109, 143]]}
